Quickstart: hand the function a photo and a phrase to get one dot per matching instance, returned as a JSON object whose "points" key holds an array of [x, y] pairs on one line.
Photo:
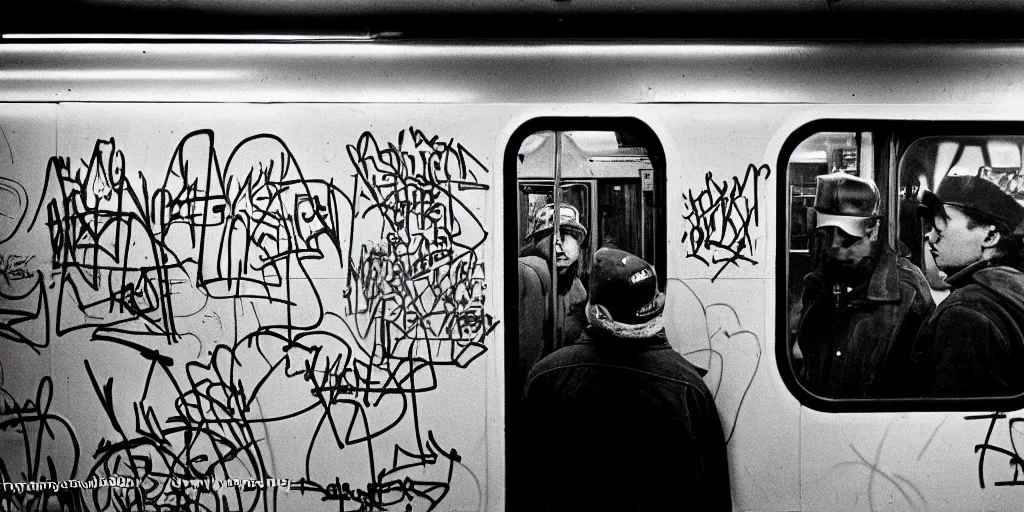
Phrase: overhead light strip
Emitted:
{"points": [[197, 37]]}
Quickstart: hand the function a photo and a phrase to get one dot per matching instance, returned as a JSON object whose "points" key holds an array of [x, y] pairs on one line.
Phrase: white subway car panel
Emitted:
{"points": [[252, 276]]}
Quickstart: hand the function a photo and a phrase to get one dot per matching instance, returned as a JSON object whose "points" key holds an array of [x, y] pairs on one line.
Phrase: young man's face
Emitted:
{"points": [[567, 250], [954, 245]]}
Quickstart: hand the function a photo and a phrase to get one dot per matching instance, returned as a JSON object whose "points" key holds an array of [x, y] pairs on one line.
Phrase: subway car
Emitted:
{"points": [[275, 272]]}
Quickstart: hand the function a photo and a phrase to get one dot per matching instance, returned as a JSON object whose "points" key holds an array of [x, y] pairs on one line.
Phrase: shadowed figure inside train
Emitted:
{"points": [[550, 318], [863, 302], [544, 308]]}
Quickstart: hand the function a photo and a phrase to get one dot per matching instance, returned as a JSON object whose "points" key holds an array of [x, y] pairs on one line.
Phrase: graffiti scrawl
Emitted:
{"points": [[228, 283], [720, 218]]}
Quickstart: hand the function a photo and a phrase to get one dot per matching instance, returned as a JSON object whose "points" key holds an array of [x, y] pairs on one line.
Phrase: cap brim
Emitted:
{"points": [[856, 226], [574, 229], [930, 205], [579, 232]]}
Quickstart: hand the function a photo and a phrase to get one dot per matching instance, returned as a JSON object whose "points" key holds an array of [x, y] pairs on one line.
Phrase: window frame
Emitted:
{"points": [[907, 132]]}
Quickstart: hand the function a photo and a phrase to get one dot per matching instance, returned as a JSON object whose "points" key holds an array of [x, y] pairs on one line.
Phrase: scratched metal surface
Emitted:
{"points": [[410, 72]]}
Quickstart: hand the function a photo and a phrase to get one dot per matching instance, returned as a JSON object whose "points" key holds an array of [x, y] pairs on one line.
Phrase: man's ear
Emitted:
{"points": [[992, 239]]}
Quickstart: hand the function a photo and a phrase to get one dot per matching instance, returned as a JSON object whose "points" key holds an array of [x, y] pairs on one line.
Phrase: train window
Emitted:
{"points": [[904, 257], [577, 186]]}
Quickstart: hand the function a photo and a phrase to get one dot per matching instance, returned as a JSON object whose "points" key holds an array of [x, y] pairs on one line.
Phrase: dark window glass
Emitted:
{"points": [[903, 266]]}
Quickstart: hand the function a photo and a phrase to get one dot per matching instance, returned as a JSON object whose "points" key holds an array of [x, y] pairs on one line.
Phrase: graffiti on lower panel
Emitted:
{"points": [[873, 474], [1006, 449], [37, 435], [720, 218], [719, 343], [235, 301]]}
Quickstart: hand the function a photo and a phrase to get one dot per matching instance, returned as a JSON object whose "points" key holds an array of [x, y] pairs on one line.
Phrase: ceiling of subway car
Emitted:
{"points": [[353, 7], [644, 19]]}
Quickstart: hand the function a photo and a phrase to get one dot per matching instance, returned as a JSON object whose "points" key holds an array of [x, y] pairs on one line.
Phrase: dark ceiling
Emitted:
{"points": [[518, 19]]}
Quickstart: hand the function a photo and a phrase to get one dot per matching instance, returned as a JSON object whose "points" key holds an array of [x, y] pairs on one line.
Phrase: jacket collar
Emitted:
{"points": [[595, 334], [966, 275], [607, 341], [884, 285], [601, 320]]}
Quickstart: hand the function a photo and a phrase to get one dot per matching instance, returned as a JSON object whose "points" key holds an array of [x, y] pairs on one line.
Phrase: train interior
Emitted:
{"points": [[903, 161], [608, 176]]}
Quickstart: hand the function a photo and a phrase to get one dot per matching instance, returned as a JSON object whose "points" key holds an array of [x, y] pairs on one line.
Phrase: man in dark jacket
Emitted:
{"points": [[550, 314], [973, 345], [863, 303], [618, 420]]}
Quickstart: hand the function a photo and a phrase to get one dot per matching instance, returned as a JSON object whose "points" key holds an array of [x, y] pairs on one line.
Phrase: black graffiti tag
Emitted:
{"points": [[1015, 426], [720, 218], [225, 283]]}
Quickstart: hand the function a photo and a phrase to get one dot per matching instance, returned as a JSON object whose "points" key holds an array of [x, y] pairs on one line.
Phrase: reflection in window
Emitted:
{"points": [[904, 258]]}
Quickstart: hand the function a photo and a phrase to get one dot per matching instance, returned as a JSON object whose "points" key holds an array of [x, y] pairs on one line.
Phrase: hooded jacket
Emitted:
{"points": [[535, 311], [536, 341], [857, 344], [973, 344], [617, 423]]}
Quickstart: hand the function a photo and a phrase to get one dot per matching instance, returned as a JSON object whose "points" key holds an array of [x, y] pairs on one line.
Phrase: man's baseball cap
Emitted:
{"points": [[977, 197], [626, 286], [847, 202]]}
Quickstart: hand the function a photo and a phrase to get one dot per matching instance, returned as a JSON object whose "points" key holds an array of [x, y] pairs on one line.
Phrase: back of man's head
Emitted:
{"points": [[625, 287]]}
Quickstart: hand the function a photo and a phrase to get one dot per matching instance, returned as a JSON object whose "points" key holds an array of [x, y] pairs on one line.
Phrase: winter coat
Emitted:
{"points": [[973, 345], [622, 424], [535, 314], [856, 343]]}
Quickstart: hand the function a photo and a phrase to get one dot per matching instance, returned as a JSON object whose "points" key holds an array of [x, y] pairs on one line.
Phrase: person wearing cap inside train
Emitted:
{"points": [[543, 308], [863, 303], [619, 420], [972, 345], [539, 315]]}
